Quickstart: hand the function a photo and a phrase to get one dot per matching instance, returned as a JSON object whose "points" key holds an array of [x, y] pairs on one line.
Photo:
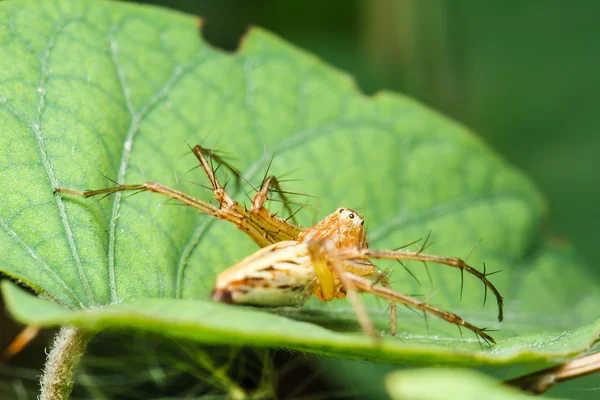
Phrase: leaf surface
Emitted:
{"points": [[439, 383], [97, 88]]}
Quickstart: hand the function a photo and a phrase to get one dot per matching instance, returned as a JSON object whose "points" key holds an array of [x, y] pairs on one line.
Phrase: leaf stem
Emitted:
{"points": [[61, 364], [540, 381]]}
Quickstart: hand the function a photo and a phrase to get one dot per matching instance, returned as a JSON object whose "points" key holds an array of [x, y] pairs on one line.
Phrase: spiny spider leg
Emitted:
{"points": [[382, 279], [271, 184], [262, 226], [219, 192], [327, 270], [365, 253], [276, 227], [152, 187], [332, 283], [366, 269], [333, 266], [366, 285]]}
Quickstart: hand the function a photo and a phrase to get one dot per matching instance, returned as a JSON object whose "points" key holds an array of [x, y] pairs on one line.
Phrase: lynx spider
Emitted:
{"points": [[329, 260]]}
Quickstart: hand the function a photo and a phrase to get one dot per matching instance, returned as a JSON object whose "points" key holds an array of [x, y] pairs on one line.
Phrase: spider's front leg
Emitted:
{"points": [[331, 282], [366, 285], [332, 264], [365, 254], [363, 268]]}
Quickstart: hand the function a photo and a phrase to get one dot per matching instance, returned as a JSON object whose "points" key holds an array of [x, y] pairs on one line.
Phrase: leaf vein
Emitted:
{"points": [[45, 73], [15, 237], [136, 118], [187, 251]]}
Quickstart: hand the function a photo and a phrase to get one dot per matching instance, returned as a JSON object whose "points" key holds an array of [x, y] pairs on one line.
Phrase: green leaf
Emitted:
{"points": [[97, 87], [434, 384]]}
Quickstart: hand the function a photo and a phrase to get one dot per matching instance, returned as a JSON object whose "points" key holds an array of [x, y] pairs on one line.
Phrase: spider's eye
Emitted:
{"points": [[351, 216], [341, 210], [362, 223]]}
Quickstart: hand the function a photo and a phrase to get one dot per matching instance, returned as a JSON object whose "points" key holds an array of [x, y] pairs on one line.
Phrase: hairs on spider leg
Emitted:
{"points": [[293, 171], [132, 194], [462, 284], [426, 244], [141, 170], [428, 273], [166, 203], [176, 179], [268, 168], [199, 184], [479, 337], [485, 288], [193, 169], [411, 310], [407, 245], [291, 202], [288, 208], [431, 296], [226, 183], [271, 185], [384, 274], [296, 212], [290, 180], [292, 193], [105, 196], [222, 162], [110, 179], [409, 271], [249, 198], [495, 272], [239, 175], [473, 249]]}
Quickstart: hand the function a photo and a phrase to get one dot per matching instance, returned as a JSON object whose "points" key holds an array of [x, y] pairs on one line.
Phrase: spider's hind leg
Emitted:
{"points": [[271, 184], [205, 156]]}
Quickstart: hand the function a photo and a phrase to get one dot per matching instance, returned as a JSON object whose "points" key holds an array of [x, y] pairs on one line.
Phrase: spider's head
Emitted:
{"points": [[344, 226], [350, 218]]}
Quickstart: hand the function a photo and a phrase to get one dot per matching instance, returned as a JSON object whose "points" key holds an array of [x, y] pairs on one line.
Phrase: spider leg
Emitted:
{"points": [[273, 185], [366, 285], [264, 228], [362, 254], [219, 191], [274, 228], [382, 279], [327, 269], [203, 206], [367, 269]]}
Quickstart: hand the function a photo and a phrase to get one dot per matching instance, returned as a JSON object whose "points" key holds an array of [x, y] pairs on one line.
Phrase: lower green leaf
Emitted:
{"points": [[448, 384], [216, 323], [144, 81]]}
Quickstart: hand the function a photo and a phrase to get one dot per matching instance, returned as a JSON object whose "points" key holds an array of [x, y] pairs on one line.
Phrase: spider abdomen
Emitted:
{"points": [[276, 276]]}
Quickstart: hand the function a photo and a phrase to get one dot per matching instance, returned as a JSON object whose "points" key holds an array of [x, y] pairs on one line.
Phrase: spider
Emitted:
{"points": [[329, 260]]}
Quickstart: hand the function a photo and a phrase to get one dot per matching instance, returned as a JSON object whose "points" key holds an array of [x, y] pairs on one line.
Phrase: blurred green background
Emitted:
{"points": [[523, 75]]}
